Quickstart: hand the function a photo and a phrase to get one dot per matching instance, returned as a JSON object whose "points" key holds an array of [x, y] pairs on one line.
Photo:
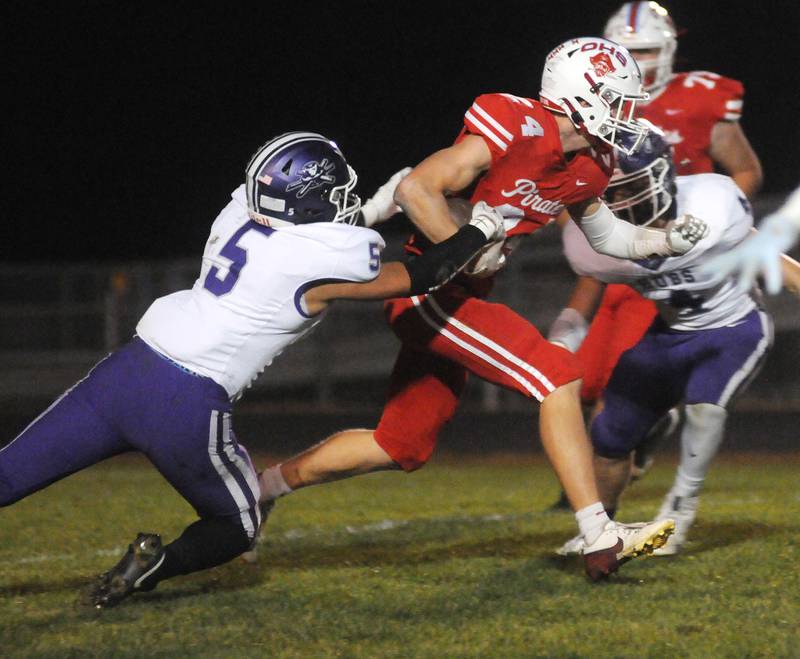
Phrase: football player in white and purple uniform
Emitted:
{"points": [[278, 254], [707, 343]]}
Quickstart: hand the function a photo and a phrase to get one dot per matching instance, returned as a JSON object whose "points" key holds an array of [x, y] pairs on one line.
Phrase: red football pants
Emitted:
{"points": [[446, 336], [621, 320]]}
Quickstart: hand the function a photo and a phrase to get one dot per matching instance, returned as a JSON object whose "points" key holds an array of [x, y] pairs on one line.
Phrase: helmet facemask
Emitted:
{"points": [[610, 117], [346, 201], [643, 196]]}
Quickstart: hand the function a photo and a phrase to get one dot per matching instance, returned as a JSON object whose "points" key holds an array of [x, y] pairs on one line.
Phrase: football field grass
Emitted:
{"points": [[453, 561]]}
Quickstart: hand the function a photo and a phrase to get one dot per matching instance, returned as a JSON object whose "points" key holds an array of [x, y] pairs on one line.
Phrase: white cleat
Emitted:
{"points": [[618, 543], [683, 510], [572, 547]]}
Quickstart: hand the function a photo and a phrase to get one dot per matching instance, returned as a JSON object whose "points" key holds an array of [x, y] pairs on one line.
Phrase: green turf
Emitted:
{"points": [[453, 561]]}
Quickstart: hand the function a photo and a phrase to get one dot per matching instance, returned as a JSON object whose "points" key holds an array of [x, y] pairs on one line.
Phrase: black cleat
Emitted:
{"points": [[561, 505], [143, 557]]}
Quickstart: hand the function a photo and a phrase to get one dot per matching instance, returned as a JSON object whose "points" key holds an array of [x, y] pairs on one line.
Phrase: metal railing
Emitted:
{"points": [[56, 320]]}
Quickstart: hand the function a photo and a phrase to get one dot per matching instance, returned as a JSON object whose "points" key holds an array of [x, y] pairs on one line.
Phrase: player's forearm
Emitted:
{"points": [[731, 150], [749, 180], [435, 266], [422, 194], [426, 207], [609, 235], [790, 270], [586, 296]]}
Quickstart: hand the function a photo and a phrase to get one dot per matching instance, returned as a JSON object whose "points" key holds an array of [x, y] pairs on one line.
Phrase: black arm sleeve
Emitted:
{"points": [[441, 262]]}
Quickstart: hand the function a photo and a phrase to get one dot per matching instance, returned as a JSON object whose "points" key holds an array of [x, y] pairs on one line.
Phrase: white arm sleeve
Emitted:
{"points": [[609, 235]]}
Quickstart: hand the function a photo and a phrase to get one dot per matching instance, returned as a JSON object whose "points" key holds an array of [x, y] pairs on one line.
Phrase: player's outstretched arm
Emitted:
{"points": [[421, 194], [381, 206], [761, 254], [609, 235], [434, 267]]}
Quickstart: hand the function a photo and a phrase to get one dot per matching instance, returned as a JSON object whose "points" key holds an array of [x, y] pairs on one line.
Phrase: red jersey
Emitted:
{"points": [[530, 180], [687, 109]]}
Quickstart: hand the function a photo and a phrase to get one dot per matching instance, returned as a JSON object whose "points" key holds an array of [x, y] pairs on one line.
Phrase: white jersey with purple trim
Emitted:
{"points": [[687, 299], [247, 304]]}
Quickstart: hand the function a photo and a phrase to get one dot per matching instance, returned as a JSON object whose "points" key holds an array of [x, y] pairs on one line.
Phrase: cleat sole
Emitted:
{"points": [[648, 546]]}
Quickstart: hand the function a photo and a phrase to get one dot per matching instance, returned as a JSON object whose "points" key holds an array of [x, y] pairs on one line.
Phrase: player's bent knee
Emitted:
{"points": [[407, 453], [8, 494], [609, 440], [569, 390]]}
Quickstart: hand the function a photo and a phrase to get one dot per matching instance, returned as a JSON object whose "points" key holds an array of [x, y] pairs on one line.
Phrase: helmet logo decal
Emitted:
{"points": [[312, 175], [602, 64]]}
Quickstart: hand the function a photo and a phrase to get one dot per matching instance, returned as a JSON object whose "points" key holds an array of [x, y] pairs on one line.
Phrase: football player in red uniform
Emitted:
{"points": [[530, 160], [699, 112]]}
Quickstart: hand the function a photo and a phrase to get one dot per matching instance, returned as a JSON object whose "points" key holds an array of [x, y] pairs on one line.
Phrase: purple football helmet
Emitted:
{"points": [[642, 189], [298, 178]]}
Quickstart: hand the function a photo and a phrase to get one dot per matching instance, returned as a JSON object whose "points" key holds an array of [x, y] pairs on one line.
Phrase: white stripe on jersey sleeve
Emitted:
{"points": [[477, 124], [732, 116], [518, 99], [492, 121], [734, 105]]}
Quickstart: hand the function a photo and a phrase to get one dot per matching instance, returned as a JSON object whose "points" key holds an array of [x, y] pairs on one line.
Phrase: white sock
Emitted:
{"points": [[591, 521], [272, 484]]}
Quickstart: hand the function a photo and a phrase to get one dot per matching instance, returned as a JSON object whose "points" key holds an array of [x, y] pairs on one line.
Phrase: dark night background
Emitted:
{"points": [[127, 125]]}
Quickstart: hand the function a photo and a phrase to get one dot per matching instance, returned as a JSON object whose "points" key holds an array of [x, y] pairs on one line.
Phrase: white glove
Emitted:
{"points": [[489, 221], [684, 233], [759, 254], [380, 207]]}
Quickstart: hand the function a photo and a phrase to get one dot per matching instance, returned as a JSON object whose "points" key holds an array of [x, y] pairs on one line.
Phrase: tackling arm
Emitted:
{"points": [[421, 194], [434, 267], [609, 235]]}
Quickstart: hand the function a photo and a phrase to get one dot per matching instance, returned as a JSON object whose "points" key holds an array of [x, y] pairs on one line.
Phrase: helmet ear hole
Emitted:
{"points": [[287, 167]]}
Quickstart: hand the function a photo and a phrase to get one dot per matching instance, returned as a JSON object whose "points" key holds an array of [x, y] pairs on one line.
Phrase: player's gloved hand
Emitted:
{"points": [[684, 233], [568, 329], [380, 207], [492, 258], [759, 254], [489, 221]]}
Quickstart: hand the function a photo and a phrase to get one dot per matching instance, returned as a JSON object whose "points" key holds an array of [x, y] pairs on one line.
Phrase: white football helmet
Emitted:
{"points": [[646, 26], [597, 84]]}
